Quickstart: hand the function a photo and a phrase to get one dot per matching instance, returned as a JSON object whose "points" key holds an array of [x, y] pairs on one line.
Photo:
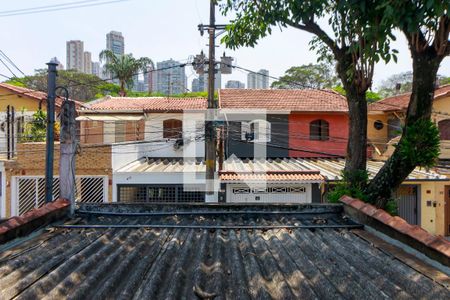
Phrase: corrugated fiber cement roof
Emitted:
{"points": [[208, 263]]}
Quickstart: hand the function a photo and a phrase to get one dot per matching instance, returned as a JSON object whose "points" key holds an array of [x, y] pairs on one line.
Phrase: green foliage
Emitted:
{"points": [[391, 207], [35, 131], [419, 144], [370, 96], [124, 67], [352, 184], [352, 26], [317, 76]]}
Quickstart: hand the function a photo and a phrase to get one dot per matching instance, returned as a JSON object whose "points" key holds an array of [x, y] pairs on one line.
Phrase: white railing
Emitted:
{"points": [[29, 191]]}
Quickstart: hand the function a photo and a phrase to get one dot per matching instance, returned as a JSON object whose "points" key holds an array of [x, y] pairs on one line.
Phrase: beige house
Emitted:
{"points": [[386, 118]]}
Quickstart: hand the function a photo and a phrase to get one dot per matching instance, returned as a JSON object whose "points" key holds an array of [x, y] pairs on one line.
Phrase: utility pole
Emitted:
{"points": [[210, 131], [210, 138], [68, 144], [51, 86]]}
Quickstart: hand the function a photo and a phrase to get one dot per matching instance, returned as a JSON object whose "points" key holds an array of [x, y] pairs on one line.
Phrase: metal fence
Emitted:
{"points": [[158, 193], [30, 191]]}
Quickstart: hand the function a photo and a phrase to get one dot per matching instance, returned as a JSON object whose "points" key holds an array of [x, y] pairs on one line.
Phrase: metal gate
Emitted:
{"points": [[30, 191], [150, 193], [407, 202]]}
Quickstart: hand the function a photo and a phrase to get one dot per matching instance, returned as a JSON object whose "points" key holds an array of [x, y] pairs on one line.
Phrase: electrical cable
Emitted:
{"points": [[56, 7]]}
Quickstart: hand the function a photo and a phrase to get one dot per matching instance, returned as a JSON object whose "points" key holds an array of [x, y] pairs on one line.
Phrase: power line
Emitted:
{"points": [[11, 62], [56, 7]]}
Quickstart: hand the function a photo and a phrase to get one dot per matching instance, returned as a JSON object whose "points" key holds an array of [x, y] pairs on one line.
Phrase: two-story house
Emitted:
{"points": [[278, 146], [386, 118]]}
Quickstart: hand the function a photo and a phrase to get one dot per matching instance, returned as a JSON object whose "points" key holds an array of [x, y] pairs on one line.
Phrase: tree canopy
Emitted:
{"points": [[124, 67], [315, 76], [81, 86]]}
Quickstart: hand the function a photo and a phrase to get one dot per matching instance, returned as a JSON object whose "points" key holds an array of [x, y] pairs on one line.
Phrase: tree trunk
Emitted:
{"points": [[357, 142], [356, 159], [122, 92], [397, 168]]}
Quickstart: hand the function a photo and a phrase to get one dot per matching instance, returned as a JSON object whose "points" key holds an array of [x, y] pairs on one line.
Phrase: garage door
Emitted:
{"points": [[272, 193]]}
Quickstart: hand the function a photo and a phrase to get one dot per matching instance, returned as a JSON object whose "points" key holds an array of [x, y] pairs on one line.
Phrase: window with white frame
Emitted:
{"points": [[256, 131]]}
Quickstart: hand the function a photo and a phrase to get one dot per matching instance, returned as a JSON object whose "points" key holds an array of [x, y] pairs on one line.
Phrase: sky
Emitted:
{"points": [[157, 29]]}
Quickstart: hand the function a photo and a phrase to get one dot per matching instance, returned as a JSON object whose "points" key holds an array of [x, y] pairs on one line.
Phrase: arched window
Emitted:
{"points": [[319, 130], [444, 129], [172, 129], [256, 130]]}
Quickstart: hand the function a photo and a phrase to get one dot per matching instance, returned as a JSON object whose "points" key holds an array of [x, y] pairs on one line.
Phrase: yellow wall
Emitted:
{"points": [[432, 219], [441, 109], [18, 101], [378, 138]]}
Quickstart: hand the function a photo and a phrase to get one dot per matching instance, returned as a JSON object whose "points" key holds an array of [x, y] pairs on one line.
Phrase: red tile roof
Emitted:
{"points": [[400, 102], [161, 104], [272, 176], [307, 100], [437, 243], [38, 95]]}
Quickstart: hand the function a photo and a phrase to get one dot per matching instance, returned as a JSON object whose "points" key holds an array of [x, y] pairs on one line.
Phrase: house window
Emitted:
{"points": [[120, 131], [319, 130], [257, 131], [444, 129], [173, 129]]}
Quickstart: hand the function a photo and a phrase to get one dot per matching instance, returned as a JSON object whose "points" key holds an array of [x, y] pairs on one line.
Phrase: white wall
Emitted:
{"points": [[28, 116], [193, 135]]}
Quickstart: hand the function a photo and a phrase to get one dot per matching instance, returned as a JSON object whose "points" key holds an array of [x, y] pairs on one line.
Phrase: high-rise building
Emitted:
{"points": [[201, 85], [115, 42], [259, 80], [87, 62], [234, 84], [96, 69], [170, 78], [263, 79], [195, 87], [148, 79], [74, 55]]}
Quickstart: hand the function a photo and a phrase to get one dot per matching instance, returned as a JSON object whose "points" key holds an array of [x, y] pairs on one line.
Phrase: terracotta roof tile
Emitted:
{"points": [[149, 103], [38, 95], [307, 100], [272, 176], [400, 102], [436, 242]]}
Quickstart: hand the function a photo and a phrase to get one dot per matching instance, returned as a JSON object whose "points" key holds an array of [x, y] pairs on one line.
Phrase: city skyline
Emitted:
{"points": [[278, 52]]}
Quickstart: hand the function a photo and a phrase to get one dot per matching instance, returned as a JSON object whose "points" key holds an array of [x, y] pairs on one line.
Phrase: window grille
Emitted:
{"points": [[319, 130], [154, 193]]}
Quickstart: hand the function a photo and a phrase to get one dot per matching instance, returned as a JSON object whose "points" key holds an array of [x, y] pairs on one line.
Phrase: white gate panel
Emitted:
{"points": [[271, 193], [29, 191]]}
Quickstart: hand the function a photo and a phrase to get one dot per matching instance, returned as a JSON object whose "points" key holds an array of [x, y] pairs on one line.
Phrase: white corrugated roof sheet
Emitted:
{"points": [[330, 168]]}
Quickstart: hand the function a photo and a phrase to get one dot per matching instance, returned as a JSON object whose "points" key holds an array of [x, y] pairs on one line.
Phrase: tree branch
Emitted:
{"points": [[315, 29]]}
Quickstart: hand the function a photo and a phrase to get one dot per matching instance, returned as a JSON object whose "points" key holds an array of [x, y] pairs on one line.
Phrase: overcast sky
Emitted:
{"points": [[156, 29]]}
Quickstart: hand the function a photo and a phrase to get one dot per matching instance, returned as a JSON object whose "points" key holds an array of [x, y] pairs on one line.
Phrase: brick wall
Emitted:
{"points": [[91, 160]]}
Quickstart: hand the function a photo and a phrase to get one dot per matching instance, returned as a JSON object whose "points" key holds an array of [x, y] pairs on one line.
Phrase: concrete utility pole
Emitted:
{"points": [[68, 144], [51, 86], [210, 137]]}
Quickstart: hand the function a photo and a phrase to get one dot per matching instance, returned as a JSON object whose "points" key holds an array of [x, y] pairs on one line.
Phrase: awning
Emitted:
{"points": [[110, 118]]}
